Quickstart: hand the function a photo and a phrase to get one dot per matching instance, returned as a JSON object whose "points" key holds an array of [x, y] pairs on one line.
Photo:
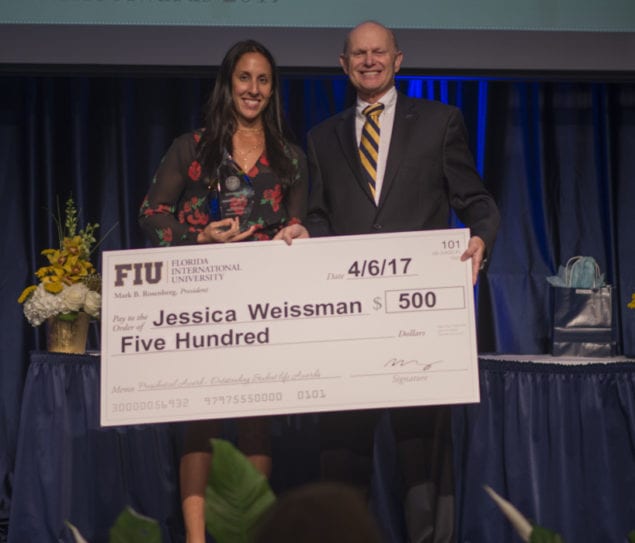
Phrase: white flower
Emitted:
{"points": [[72, 297], [92, 303], [42, 304]]}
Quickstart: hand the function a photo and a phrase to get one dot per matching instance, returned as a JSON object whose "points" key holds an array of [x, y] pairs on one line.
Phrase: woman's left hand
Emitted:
{"points": [[291, 232], [225, 231]]}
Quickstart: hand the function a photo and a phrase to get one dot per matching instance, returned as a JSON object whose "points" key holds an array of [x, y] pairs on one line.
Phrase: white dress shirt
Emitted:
{"points": [[386, 121]]}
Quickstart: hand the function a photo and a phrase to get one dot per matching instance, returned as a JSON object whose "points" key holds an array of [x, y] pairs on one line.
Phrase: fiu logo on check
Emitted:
{"points": [[139, 273]]}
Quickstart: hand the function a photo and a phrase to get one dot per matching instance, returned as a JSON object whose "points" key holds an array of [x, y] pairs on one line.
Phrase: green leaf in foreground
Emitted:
{"points": [[132, 527], [542, 535], [236, 496], [631, 536]]}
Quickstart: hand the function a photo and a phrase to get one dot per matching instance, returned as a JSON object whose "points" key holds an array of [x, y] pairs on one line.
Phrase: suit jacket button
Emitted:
{"points": [[377, 226]]}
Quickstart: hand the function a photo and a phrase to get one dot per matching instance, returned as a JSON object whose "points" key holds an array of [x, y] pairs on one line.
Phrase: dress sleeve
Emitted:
{"points": [[297, 195], [162, 205]]}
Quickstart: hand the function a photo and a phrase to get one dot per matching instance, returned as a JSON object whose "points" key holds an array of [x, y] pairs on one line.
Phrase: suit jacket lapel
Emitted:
{"points": [[348, 142], [404, 118]]}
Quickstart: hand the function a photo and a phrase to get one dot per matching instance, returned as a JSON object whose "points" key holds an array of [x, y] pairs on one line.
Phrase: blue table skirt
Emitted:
{"points": [[556, 440], [68, 468]]}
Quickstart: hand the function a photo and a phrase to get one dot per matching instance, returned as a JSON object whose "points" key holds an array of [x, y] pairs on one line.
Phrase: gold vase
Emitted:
{"points": [[67, 336]]}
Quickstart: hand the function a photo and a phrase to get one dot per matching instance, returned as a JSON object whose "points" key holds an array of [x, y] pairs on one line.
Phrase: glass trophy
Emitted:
{"points": [[231, 194]]}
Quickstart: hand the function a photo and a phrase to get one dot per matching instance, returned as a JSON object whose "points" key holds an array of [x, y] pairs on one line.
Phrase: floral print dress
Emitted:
{"points": [[176, 207]]}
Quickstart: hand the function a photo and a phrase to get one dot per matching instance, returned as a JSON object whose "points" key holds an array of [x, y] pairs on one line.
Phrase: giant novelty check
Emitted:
{"points": [[341, 323]]}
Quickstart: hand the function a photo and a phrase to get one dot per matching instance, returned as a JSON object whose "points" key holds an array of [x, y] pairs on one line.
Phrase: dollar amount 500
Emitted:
{"points": [[429, 299]]}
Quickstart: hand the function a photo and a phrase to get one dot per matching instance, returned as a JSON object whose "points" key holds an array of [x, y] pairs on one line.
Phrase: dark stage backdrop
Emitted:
{"points": [[559, 157]]}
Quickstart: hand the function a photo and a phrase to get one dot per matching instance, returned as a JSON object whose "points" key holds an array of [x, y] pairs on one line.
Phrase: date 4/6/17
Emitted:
{"points": [[379, 267]]}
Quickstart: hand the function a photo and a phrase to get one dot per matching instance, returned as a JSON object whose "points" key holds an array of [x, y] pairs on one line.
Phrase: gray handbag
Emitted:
{"points": [[582, 311]]}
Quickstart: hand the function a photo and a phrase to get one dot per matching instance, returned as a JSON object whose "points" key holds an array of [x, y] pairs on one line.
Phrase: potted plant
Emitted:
{"points": [[68, 294]]}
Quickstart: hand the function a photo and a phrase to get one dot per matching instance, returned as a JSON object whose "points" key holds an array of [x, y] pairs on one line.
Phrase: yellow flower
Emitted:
{"points": [[631, 304], [65, 282], [74, 246], [55, 256], [76, 268], [26, 293], [53, 283]]}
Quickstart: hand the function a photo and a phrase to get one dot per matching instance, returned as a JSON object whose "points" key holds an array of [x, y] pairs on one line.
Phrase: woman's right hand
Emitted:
{"points": [[225, 231]]}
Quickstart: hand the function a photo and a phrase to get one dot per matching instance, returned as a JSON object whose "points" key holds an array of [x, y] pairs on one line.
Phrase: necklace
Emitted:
{"points": [[246, 142], [249, 150], [242, 129], [243, 155]]}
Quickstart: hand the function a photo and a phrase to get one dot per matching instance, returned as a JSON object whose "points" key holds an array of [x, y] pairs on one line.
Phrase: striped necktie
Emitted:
{"points": [[369, 143]]}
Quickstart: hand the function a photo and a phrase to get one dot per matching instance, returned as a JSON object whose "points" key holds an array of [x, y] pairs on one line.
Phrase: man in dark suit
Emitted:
{"points": [[410, 168]]}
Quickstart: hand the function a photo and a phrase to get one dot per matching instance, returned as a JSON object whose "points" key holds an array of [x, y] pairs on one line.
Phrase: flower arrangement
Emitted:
{"points": [[70, 283]]}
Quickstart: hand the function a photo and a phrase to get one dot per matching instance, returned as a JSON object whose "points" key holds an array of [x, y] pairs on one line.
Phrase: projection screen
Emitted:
{"points": [[451, 35]]}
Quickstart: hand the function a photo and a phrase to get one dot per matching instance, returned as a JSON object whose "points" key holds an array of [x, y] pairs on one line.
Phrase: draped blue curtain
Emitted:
{"points": [[557, 155], [562, 175]]}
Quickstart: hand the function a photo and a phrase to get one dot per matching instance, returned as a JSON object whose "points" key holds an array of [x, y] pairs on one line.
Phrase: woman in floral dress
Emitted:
{"points": [[236, 179]]}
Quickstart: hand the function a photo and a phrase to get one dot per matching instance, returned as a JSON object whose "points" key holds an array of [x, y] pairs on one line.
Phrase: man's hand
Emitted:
{"points": [[291, 232], [476, 251]]}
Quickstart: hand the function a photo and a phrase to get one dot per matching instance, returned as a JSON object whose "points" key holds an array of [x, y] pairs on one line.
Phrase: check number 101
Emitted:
{"points": [[398, 301]]}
